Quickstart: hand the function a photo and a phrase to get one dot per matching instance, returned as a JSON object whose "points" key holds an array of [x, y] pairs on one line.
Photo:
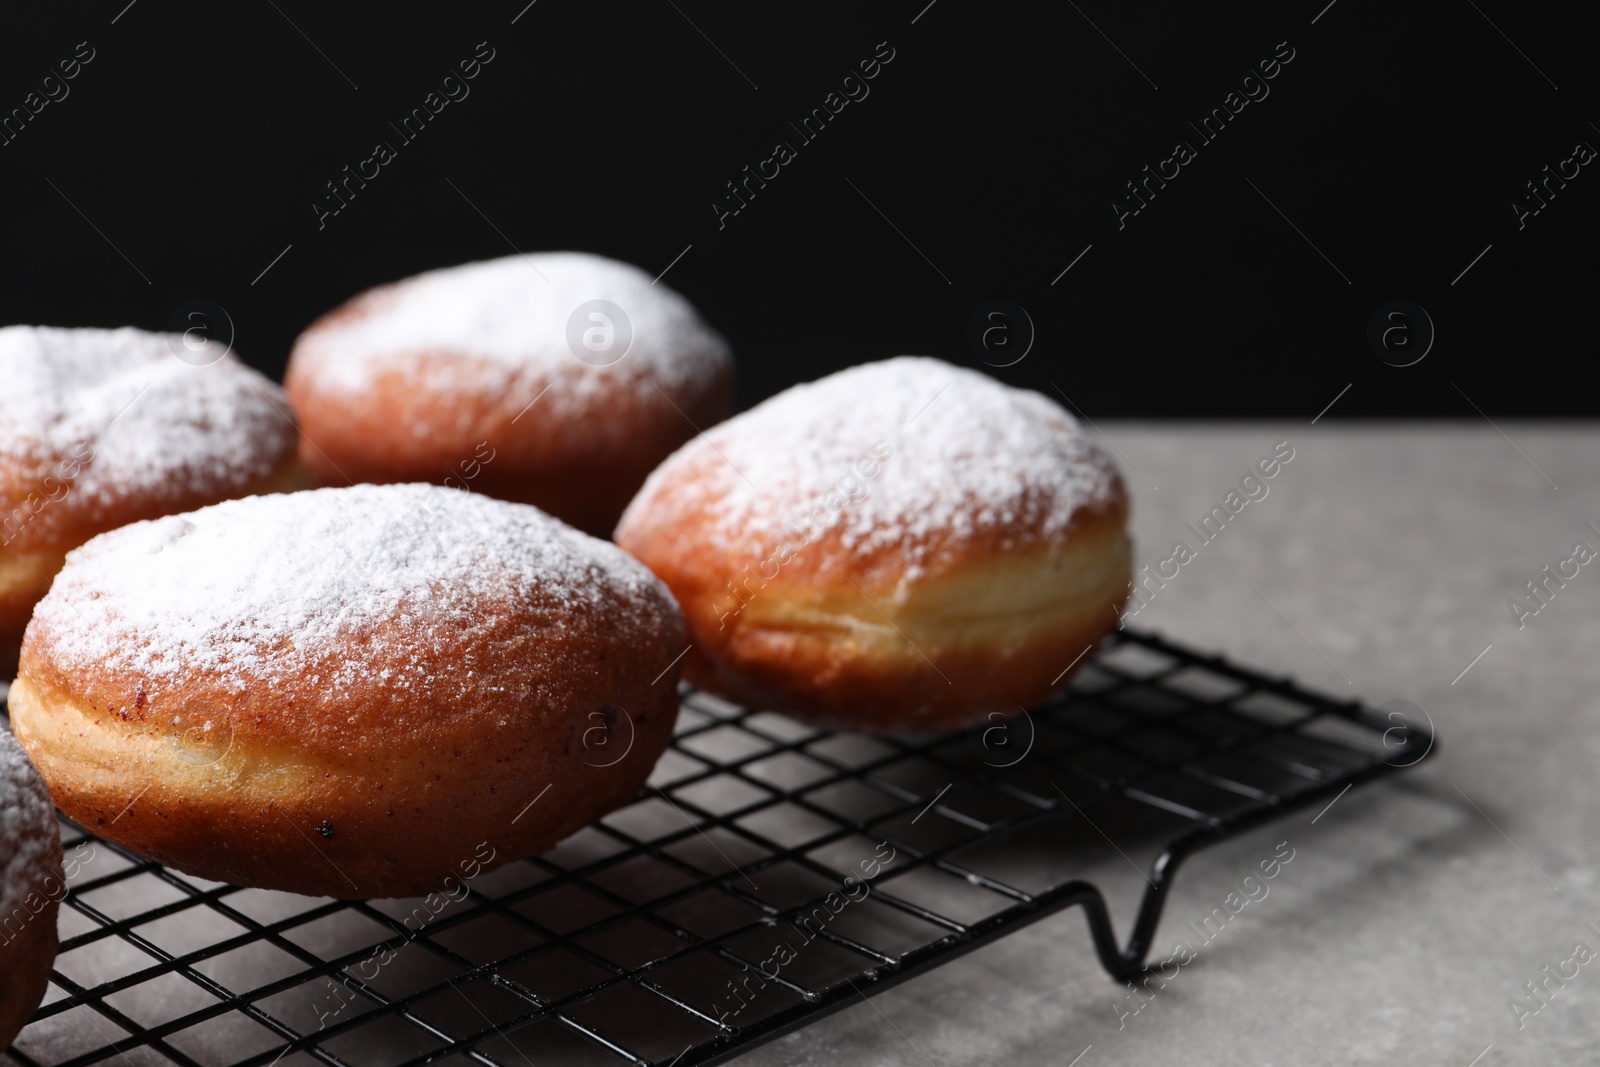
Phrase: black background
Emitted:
{"points": [[196, 141]]}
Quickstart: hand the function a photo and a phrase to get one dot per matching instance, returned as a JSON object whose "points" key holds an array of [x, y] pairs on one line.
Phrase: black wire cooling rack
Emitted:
{"points": [[654, 936]]}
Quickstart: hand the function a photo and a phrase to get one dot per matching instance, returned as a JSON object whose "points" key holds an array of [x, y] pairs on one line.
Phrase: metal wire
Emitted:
{"points": [[645, 941]]}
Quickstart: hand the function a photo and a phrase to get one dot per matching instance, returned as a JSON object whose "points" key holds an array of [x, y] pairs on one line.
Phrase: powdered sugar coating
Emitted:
{"points": [[910, 454], [115, 414], [350, 589], [512, 314], [30, 845]]}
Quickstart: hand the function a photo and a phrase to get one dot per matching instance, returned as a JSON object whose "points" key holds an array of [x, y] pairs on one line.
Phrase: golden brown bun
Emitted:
{"points": [[352, 692], [468, 375], [31, 888], [841, 560], [26, 574], [24, 578], [100, 428]]}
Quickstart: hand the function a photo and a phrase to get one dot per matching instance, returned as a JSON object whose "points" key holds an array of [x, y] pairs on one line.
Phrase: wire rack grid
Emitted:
{"points": [[770, 874]]}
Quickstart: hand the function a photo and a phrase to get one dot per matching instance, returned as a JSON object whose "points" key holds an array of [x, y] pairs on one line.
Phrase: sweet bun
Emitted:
{"points": [[31, 888], [499, 374], [904, 545], [99, 428], [357, 692]]}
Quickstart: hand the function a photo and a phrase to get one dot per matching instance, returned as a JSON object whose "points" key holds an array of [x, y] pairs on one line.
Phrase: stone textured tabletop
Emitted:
{"points": [[1416, 909]]}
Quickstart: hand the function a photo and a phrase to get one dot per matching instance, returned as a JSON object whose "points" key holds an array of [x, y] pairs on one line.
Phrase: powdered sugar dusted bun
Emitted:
{"points": [[902, 545], [99, 428], [501, 375], [347, 692], [31, 888]]}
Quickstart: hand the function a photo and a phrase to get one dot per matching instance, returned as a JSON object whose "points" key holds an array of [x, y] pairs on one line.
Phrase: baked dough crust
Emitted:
{"points": [[486, 389], [30, 863], [365, 756], [100, 428], [907, 625]]}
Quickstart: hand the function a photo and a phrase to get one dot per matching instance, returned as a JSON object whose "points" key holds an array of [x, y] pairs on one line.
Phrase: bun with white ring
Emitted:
{"points": [[100, 428], [558, 379], [31, 888], [904, 545], [345, 692]]}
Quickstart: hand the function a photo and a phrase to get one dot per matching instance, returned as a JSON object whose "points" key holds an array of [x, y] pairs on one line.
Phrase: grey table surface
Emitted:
{"points": [[1415, 909]]}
